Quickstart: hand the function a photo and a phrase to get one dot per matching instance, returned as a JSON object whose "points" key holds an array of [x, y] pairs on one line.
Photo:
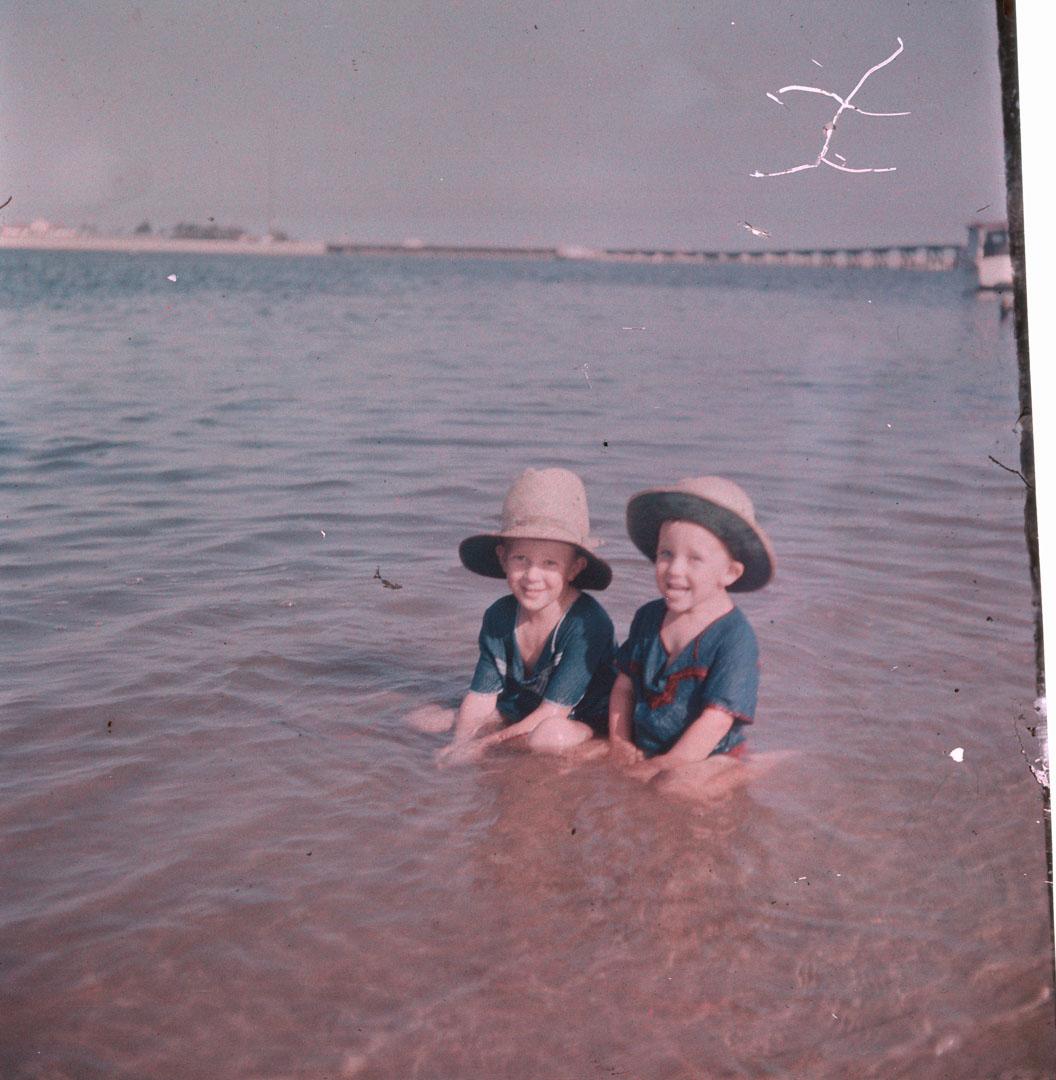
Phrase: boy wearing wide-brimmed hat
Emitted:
{"points": [[688, 672], [546, 649]]}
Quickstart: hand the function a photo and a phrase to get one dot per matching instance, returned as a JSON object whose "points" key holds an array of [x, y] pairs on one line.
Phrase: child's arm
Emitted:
{"points": [[545, 711], [467, 749], [699, 739], [621, 713], [477, 711], [695, 743]]}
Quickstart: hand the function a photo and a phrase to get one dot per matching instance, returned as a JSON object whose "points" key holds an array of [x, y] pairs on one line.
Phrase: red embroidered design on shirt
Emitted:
{"points": [[667, 695]]}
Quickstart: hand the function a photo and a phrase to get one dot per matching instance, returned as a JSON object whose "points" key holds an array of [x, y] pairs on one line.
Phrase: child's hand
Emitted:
{"points": [[644, 770], [462, 751], [623, 751]]}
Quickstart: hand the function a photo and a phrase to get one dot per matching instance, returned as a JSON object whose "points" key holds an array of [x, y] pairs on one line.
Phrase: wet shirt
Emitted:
{"points": [[719, 667], [575, 667]]}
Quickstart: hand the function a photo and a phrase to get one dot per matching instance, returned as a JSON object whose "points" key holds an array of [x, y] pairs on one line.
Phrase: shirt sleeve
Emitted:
{"points": [[732, 683], [489, 677], [583, 644]]}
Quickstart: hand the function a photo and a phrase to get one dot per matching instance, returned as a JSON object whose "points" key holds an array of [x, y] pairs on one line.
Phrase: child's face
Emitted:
{"points": [[693, 566], [539, 572]]}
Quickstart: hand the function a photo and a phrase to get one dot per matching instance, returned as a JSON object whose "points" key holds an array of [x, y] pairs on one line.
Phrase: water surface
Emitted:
{"points": [[226, 855]]}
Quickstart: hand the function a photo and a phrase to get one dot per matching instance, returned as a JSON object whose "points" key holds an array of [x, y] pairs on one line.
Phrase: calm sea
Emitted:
{"points": [[226, 855]]}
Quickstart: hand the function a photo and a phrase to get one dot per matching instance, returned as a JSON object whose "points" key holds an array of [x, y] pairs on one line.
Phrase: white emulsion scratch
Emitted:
{"points": [[830, 127], [1039, 767]]}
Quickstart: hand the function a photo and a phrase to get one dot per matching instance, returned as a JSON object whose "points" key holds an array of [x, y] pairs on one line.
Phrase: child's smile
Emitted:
{"points": [[693, 567], [539, 572]]}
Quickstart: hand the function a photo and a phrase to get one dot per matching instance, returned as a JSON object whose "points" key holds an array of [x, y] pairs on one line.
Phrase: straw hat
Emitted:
{"points": [[542, 504], [717, 504]]}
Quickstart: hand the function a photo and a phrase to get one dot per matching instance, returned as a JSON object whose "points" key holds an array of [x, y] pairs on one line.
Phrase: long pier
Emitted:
{"points": [[903, 257], [893, 257]]}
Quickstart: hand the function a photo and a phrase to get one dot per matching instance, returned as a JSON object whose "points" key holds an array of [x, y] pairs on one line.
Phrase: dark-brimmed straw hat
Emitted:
{"points": [[542, 504], [717, 504]]}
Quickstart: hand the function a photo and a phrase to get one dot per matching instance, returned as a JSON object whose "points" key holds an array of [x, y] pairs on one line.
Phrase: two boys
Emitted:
{"points": [[677, 695]]}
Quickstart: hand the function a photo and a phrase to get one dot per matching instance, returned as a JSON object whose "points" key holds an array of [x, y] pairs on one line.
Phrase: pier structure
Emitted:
{"points": [[892, 257], [901, 257]]}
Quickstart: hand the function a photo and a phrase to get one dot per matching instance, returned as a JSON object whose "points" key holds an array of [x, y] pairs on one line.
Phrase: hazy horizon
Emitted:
{"points": [[626, 126]]}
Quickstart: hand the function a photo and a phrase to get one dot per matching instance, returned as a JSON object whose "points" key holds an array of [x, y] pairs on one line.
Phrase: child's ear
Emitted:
{"points": [[579, 564], [500, 552], [733, 572]]}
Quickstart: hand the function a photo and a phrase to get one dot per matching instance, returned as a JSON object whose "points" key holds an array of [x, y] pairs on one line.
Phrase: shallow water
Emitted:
{"points": [[225, 854]]}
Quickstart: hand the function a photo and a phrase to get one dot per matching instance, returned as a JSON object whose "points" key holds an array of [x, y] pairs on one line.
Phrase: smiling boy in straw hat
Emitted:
{"points": [[546, 649], [688, 672]]}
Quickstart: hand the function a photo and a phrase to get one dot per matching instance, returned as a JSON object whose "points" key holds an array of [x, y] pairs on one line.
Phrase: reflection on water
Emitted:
{"points": [[225, 854]]}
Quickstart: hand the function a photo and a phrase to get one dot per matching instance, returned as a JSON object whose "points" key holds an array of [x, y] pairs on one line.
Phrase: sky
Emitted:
{"points": [[604, 124]]}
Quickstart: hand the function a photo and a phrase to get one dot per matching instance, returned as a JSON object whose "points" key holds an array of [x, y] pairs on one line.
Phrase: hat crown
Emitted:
{"points": [[541, 504], [553, 502], [719, 490]]}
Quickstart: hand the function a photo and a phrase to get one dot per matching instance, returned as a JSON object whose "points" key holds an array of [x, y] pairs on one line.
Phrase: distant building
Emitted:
{"points": [[191, 231]]}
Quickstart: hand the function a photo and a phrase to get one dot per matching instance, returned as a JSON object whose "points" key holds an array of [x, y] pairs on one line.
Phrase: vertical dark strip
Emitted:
{"points": [[1008, 60], [1007, 57]]}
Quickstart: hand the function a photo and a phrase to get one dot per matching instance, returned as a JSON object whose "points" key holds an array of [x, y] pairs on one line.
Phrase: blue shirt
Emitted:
{"points": [[719, 667], [575, 667]]}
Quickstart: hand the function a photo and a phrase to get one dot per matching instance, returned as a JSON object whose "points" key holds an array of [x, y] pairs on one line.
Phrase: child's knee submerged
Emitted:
{"points": [[720, 774], [704, 779], [558, 734], [431, 719]]}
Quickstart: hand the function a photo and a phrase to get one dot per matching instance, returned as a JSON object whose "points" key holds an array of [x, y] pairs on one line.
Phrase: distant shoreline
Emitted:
{"points": [[163, 245], [902, 257], [160, 245]]}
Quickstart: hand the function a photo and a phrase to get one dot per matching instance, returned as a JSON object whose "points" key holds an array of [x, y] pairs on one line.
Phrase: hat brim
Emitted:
{"points": [[479, 555], [747, 543]]}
